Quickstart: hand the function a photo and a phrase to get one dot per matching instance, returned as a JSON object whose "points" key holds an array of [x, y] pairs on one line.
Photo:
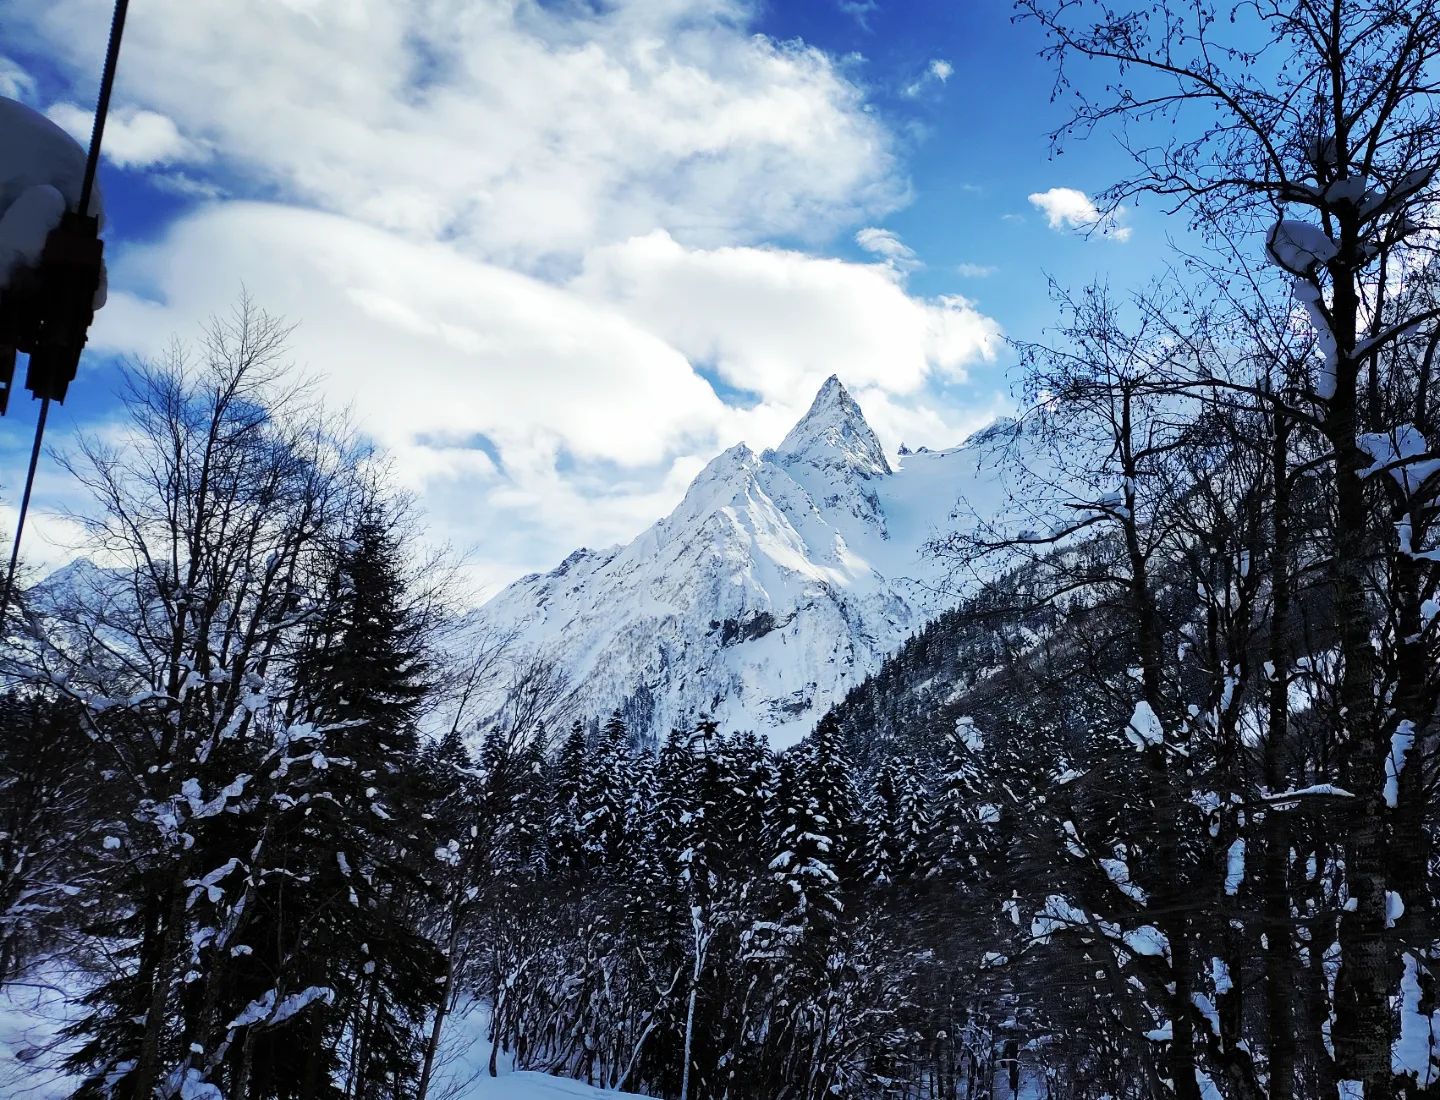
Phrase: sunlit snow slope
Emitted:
{"points": [[781, 579]]}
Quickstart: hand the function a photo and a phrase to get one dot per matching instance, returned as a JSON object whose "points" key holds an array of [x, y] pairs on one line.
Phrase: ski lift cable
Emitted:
{"points": [[102, 105], [87, 188], [24, 506]]}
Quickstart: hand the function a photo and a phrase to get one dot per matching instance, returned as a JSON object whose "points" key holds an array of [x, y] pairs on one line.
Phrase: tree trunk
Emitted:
{"points": [[1362, 987], [432, 1044], [1182, 1025], [1274, 885], [689, 1038], [147, 1065]]}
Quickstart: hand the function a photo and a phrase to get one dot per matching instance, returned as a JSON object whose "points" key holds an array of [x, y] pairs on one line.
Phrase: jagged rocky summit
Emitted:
{"points": [[780, 581]]}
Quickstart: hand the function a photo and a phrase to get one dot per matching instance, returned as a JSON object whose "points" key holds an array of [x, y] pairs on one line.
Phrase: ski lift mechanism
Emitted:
{"points": [[46, 310]]}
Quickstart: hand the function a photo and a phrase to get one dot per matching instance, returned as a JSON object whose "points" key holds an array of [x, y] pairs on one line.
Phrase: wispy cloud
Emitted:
{"points": [[975, 271], [859, 10], [1067, 208], [886, 244], [15, 82], [935, 74]]}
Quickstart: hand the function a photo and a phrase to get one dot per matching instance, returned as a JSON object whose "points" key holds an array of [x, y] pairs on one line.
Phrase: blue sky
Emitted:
{"points": [[977, 146], [557, 255]]}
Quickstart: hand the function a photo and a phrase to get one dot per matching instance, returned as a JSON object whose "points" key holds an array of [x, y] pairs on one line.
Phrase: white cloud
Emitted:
{"points": [[433, 348], [1067, 208], [50, 540], [975, 271], [859, 10], [510, 232], [738, 308], [523, 132], [888, 246], [427, 343], [937, 72], [15, 82], [920, 421], [133, 138], [585, 392], [587, 411], [180, 183]]}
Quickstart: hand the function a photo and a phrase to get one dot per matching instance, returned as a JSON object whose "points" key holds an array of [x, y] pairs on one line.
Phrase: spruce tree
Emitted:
{"points": [[880, 858], [567, 856], [603, 796], [830, 777], [529, 808], [746, 803], [367, 672], [674, 791], [809, 841], [958, 835], [356, 843], [912, 821]]}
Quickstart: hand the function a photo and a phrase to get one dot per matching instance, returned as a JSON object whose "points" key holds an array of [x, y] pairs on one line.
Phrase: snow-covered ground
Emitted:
{"points": [[33, 1012], [531, 1086], [463, 1072]]}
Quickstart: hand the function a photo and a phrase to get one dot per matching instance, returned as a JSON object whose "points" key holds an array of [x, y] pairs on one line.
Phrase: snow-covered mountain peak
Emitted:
{"points": [[780, 581], [834, 435], [736, 460], [725, 478], [999, 430]]}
